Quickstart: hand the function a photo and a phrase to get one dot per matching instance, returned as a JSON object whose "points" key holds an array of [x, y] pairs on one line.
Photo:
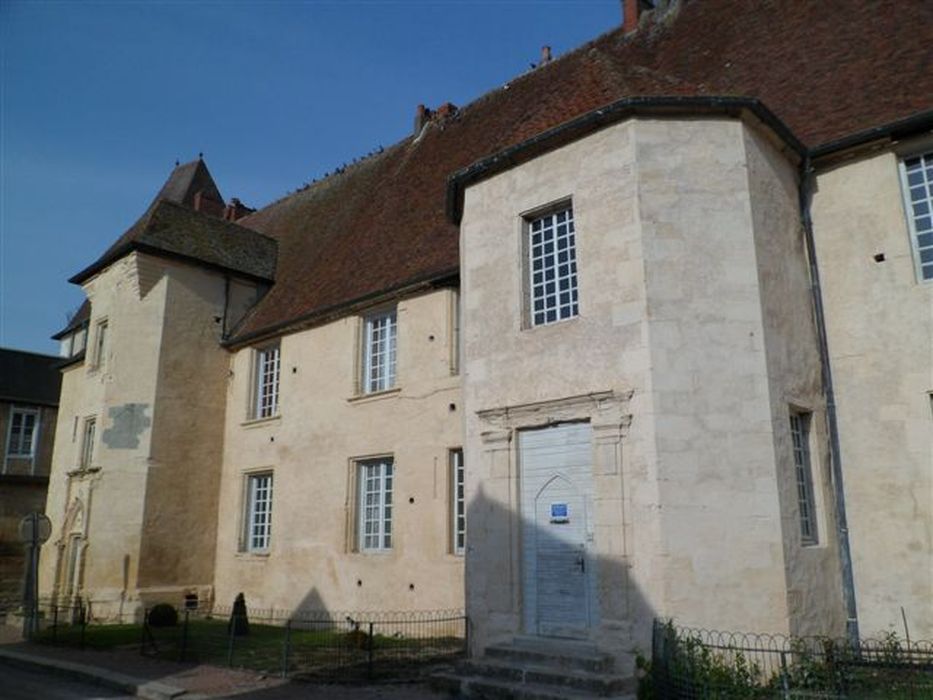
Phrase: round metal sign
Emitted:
{"points": [[35, 527]]}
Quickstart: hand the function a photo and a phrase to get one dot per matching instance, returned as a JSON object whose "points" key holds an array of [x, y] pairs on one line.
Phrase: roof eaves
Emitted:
{"points": [[604, 116], [130, 246], [902, 128], [329, 313], [102, 262], [73, 360]]}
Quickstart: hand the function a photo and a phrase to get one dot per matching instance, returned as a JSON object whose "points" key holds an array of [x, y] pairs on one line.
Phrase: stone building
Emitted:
{"points": [[655, 318], [29, 388]]}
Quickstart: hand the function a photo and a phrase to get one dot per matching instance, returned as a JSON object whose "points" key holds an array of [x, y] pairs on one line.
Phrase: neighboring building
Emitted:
{"points": [[29, 388], [598, 314]]}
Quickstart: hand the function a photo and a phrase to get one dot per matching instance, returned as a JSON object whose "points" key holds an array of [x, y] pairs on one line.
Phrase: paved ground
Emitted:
{"points": [[21, 684]]}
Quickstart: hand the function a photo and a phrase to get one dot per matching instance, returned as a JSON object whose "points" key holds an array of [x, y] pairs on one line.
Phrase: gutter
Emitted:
{"points": [[805, 191], [604, 116], [346, 308], [922, 121], [733, 106], [158, 252]]}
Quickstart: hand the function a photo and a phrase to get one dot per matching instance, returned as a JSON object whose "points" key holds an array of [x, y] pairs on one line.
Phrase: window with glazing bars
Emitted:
{"points": [[267, 382], [375, 505], [800, 434], [23, 424], [87, 442], [258, 512], [379, 352], [100, 352], [552, 260], [458, 510], [917, 173]]}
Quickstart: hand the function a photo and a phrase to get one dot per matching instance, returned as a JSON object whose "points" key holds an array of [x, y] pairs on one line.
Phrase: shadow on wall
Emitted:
{"points": [[554, 575]]}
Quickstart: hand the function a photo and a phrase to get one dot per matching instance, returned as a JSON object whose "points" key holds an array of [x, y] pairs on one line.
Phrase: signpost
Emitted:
{"points": [[34, 531]]}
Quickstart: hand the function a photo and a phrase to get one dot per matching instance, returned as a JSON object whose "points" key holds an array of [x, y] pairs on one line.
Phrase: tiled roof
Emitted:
{"points": [[827, 69], [81, 317], [171, 226], [173, 230], [26, 377]]}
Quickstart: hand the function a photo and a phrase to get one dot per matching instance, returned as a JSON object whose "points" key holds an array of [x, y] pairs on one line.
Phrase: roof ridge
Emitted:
{"points": [[492, 92], [331, 176]]}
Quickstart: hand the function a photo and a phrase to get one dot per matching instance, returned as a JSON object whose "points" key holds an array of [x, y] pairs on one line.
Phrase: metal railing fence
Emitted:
{"points": [[697, 663], [337, 646]]}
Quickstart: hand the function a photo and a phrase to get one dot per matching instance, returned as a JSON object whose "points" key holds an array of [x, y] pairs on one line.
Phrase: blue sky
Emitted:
{"points": [[100, 98]]}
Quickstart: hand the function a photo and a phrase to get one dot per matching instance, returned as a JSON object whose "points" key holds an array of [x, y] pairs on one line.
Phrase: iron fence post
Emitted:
{"points": [[286, 648], [83, 620], [466, 635], [230, 641], [184, 638], [54, 624], [142, 632], [370, 645], [785, 681]]}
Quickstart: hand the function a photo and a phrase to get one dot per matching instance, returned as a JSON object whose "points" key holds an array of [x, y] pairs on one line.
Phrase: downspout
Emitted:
{"points": [[835, 456]]}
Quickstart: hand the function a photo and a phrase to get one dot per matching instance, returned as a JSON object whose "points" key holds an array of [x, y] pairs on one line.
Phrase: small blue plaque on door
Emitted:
{"points": [[560, 513]]}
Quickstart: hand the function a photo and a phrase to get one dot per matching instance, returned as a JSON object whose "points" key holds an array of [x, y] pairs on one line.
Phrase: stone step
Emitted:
{"points": [[555, 657], [602, 684], [480, 688]]}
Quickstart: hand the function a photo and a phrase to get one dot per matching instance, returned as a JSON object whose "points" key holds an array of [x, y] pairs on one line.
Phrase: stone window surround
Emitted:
{"points": [[610, 419], [457, 470], [912, 148], [261, 393], [387, 379], [376, 479], [244, 547], [23, 411], [101, 333]]}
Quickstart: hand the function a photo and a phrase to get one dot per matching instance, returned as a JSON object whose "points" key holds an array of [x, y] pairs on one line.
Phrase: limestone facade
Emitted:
{"points": [[880, 328], [669, 443], [687, 372], [312, 448], [135, 471]]}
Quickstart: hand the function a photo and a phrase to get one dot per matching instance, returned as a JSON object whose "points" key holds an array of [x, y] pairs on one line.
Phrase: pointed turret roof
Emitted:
{"points": [[172, 227]]}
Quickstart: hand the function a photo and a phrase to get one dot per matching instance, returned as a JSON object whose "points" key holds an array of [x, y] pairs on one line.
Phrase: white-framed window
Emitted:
{"points": [[87, 442], [552, 268], [73, 344], [24, 429], [917, 180], [100, 344], [266, 373], [375, 478], [379, 343], [457, 502], [258, 520], [806, 503]]}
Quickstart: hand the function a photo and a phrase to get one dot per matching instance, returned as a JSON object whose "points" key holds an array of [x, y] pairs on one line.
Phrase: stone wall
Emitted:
{"points": [[311, 449], [880, 328]]}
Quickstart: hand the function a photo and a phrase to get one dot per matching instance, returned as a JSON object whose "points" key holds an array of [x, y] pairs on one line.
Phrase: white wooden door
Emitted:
{"points": [[556, 497]]}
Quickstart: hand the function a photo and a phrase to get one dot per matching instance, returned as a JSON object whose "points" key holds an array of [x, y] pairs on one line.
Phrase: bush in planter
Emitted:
{"points": [[163, 615]]}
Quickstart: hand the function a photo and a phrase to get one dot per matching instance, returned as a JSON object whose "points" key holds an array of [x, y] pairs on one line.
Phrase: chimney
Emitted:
{"points": [[545, 55], [446, 110], [236, 210], [630, 11], [422, 117], [204, 204]]}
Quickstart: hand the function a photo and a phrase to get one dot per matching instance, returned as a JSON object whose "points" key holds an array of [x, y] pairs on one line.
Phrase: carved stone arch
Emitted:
{"points": [[74, 523], [557, 477]]}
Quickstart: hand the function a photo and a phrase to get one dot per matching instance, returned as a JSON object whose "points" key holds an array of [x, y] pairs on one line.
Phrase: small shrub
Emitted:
{"points": [[163, 615]]}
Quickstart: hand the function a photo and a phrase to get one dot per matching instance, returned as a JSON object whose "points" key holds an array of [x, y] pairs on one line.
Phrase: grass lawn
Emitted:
{"points": [[325, 650]]}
